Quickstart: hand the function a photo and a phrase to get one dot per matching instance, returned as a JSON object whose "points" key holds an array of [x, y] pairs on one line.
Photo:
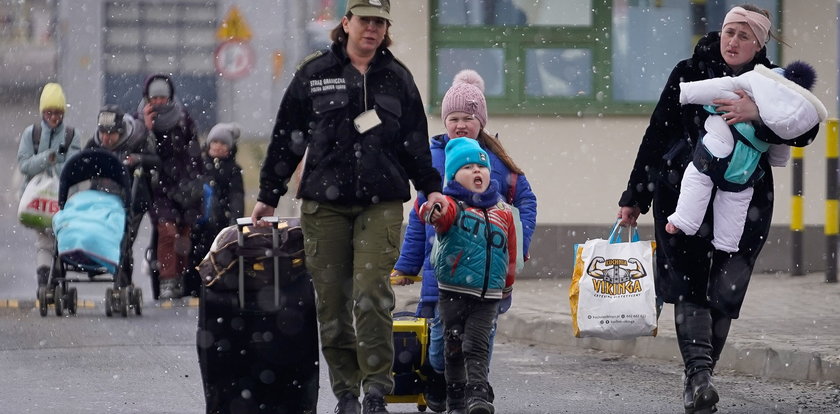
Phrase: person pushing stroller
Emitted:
{"points": [[128, 139]]}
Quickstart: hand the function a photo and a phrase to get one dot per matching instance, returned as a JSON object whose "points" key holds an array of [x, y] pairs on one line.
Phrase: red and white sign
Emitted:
{"points": [[234, 59]]}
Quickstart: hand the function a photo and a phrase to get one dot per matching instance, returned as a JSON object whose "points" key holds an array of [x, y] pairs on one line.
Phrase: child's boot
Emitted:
{"points": [[478, 399], [456, 398], [435, 393]]}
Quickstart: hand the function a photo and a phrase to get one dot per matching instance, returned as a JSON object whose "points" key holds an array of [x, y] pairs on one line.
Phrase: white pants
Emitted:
{"points": [[730, 209], [45, 243], [718, 139]]}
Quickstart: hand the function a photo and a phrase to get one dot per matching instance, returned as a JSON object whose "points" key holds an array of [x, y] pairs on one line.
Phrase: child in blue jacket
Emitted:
{"points": [[464, 115], [474, 260]]}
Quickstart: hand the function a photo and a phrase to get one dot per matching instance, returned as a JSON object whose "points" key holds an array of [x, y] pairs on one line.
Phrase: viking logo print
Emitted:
{"points": [[616, 276]]}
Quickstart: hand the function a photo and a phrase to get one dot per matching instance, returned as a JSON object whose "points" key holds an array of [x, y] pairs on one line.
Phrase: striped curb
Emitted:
{"points": [[29, 304], [760, 360]]}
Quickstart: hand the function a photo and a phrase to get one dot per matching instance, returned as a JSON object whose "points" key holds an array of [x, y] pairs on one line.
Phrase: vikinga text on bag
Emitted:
{"points": [[612, 277], [612, 293]]}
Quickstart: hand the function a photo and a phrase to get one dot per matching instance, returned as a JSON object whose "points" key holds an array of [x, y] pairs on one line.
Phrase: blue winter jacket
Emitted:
{"points": [[417, 243], [33, 161]]}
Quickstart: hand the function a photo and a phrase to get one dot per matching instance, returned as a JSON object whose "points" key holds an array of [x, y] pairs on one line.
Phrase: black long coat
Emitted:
{"points": [[688, 268]]}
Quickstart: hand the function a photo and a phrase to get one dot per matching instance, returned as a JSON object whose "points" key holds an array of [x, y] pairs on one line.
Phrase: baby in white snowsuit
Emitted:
{"points": [[787, 108]]}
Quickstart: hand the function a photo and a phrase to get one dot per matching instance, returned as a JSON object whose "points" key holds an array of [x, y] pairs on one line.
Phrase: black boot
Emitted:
{"points": [[435, 392], [704, 394], [720, 330], [478, 399], [694, 335], [43, 275], [688, 395], [456, 398]]}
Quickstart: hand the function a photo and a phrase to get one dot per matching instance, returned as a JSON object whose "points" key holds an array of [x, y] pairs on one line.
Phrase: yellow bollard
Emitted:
{"points": [[831, 204], [797, 221]]}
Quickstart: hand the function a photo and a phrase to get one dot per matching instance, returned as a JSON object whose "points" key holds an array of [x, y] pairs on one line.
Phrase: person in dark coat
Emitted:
{"points": [[129, 139], [223, 197], [706, 286], [356, 112], [176, 185]]}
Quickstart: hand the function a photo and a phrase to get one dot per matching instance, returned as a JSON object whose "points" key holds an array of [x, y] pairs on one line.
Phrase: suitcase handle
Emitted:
{"points": [[243, 222], [246, 221]]}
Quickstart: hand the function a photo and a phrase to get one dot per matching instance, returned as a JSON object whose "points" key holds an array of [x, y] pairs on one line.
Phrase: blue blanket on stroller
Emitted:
{"points": [[89, 230]]}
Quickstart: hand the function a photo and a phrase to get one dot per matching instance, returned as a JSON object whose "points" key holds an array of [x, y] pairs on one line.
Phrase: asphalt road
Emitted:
{"points": [[148, 364]]}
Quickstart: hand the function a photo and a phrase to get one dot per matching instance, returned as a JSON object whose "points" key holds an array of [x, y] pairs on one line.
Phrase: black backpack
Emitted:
{"points": [[36, 138]]}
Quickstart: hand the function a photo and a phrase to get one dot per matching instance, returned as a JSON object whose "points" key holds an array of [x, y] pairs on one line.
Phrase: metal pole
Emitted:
{"points": [[797, 225], [831, 204]]}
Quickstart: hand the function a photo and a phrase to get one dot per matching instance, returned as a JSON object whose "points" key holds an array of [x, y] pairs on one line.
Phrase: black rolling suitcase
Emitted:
{"points": [[257, 336]]}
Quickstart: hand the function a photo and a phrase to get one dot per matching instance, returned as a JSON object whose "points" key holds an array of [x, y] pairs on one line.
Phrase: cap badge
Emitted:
{"points": [[107, 119]]}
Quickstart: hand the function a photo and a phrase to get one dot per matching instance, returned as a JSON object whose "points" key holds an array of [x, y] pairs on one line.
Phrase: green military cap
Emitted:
{"points": [[370, 8]]}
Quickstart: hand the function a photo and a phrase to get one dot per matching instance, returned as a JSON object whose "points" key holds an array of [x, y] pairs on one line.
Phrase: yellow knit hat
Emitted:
{"points": [[52, 97]]}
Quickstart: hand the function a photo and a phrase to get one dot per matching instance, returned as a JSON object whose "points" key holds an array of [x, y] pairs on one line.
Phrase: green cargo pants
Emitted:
{"points": [[350, 251]]}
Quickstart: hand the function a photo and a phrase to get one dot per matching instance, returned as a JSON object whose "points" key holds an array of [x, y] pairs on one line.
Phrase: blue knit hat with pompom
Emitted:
{"points": [[799, 73]]}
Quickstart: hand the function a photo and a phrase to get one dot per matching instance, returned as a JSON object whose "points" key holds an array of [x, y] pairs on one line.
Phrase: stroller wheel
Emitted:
{"points": [[58, 299], [109, 302], [125, 295], [42, 300], [72, 300], [137, 301]]}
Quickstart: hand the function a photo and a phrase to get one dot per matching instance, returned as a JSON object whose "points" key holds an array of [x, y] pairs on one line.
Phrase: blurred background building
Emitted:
{"points": [[28, 51]]}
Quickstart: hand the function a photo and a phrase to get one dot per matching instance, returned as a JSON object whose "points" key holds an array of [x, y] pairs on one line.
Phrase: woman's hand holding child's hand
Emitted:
{"points": [[431, 212], [437, 198]]}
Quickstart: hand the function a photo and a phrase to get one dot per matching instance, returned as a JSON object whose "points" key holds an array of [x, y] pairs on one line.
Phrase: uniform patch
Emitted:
{"points": [[309, 58], [326, 85]]}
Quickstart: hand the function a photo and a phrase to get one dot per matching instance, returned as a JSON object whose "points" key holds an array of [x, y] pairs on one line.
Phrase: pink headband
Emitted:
{"points": [[758, 22]]}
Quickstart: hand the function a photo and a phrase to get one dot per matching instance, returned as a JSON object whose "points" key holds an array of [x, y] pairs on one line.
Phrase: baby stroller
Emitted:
{"points": [[92, 234]]}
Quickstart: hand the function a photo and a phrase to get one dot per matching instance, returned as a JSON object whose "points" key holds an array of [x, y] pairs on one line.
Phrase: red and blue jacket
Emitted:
{"points": [[476, 243]]}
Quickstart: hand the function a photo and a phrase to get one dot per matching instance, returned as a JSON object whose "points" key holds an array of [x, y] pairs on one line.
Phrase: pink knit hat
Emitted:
{"points": [[466, 95]]}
